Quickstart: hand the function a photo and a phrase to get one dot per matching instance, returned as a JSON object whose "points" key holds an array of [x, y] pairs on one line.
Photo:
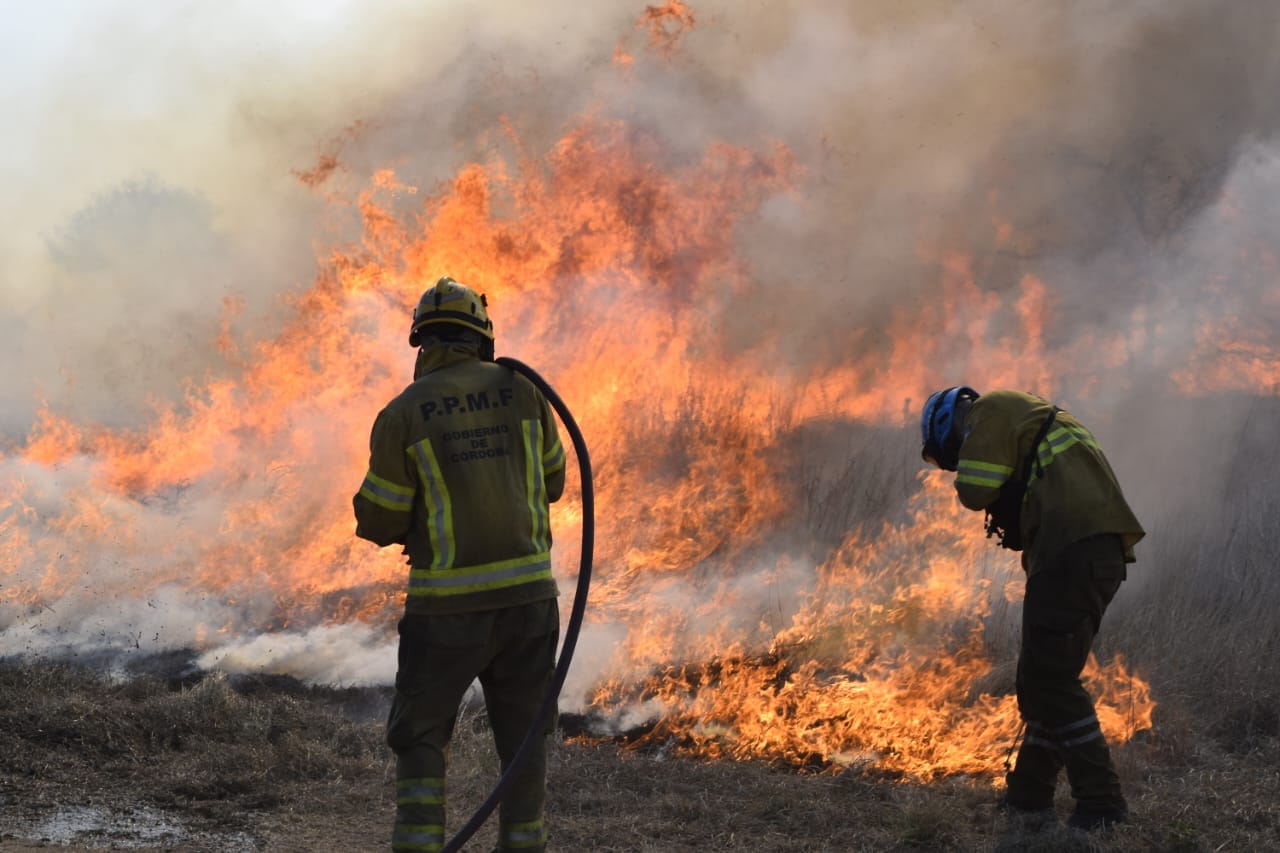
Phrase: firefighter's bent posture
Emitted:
{"points": [[462, 467], [1050, 493]]}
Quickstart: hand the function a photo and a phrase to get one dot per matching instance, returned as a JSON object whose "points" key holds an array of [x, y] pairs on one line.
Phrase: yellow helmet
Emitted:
{"points": [[451, 302]]}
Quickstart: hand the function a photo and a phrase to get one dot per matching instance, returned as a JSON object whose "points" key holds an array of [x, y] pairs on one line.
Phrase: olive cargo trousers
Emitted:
{"points": [[512, 652], [1065, 600]]}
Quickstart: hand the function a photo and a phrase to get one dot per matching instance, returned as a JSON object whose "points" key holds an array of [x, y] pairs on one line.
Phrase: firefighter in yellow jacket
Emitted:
{"points": [[1050, 493], [462, 467]]}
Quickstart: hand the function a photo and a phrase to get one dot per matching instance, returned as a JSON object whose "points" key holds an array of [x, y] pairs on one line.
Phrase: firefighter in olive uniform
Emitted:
{"points": [[1050, 493], [462, 467]]}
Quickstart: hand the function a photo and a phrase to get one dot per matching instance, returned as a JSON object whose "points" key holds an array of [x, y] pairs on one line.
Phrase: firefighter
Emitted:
{"points": [[1048, 492], [462, 467]]}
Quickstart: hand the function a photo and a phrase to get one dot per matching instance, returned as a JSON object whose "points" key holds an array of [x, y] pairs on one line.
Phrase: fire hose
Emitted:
{"points": [[574, 626]]}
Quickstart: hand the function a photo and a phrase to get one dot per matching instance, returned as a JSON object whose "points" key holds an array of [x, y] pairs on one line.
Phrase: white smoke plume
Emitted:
{"points": [[170, 169]]}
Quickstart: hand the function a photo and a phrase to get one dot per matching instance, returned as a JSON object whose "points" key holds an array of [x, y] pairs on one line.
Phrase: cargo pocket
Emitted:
{"points": [[432, 647], [1106, 574], [539, 619], [1056, 642], [1107, 569]]}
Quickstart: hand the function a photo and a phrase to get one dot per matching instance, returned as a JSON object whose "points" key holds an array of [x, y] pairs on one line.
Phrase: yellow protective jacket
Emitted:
{"points": [[462, 468], [1075, 497]]}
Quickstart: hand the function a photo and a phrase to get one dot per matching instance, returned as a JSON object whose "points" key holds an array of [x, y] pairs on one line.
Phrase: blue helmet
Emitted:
{"points": [[940, 424]]}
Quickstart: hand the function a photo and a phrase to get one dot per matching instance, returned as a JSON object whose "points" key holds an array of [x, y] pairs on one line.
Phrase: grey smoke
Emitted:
{"points": [[1130, 148]]}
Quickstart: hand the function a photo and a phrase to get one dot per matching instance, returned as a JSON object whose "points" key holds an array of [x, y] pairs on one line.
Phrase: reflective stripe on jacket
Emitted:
{"points": [[463, 465], [1072, 493]]}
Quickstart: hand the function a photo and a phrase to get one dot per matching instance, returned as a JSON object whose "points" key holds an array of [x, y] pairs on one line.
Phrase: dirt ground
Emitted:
{"points": [[269, 765]]}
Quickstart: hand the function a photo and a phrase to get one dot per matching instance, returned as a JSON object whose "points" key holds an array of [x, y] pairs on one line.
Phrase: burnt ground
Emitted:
{"points": [[213, 763]]}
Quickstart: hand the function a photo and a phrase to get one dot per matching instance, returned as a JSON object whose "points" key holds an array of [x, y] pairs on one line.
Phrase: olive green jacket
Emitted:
{"points": [[1072, 494], [463, 465]]}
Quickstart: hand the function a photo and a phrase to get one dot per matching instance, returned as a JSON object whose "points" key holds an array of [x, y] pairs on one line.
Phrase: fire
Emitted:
{"points": [[666, 25], [1234, 356], [1234, 350], [884, 664], [611, 264]]}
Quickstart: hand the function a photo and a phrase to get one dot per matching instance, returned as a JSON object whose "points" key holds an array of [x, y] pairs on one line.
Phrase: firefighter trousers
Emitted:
{"points": [[512, 653], [1065, 600]]}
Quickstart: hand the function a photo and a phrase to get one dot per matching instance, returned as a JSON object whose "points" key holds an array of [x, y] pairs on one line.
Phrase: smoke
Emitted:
{"points": [[352, 655], [1096, 133], [176, 173], [1076, 143]]}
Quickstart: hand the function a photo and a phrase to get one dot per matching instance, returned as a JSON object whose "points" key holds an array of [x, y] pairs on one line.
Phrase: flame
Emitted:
{"points": [[883, 665], [1232, 355], [611, 263], [1234, 349]]}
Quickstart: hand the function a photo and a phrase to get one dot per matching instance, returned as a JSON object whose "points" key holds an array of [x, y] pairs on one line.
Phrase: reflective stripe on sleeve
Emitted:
{"points": [[1059, 439], [387, 494], [988, 474], [553, 457]]}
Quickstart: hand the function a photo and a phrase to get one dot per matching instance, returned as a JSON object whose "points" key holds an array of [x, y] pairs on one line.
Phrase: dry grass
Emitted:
{"points": [[265, 764], [218, 752], [269, 765]]}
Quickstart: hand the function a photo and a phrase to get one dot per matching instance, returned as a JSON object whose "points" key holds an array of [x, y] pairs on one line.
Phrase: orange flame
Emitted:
{"points": [[884, 664], [610, 264]]}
